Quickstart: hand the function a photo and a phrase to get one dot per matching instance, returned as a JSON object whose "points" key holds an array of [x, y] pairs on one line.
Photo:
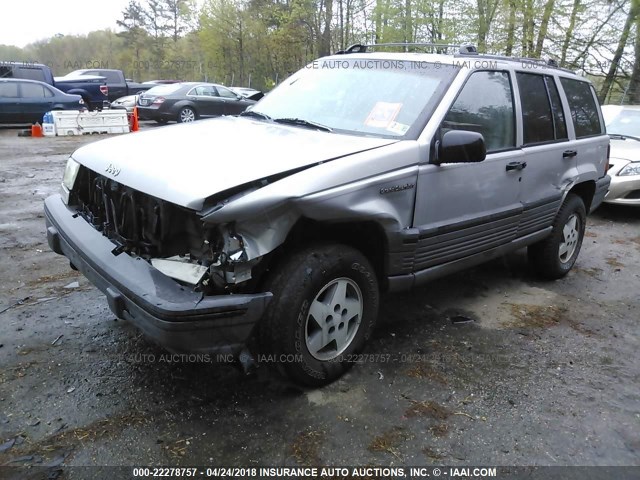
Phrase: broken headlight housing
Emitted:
{"points": [[69, 178]]}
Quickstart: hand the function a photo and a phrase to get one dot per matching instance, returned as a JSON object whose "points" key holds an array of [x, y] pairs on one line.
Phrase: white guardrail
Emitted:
{"points": [[76, 122]]}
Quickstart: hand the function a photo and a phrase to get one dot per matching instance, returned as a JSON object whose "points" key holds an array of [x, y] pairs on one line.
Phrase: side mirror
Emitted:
{"points": [[461, 146]]}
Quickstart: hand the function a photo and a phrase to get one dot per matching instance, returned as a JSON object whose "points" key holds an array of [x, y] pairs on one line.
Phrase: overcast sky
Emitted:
{"points": [[25, 21]]}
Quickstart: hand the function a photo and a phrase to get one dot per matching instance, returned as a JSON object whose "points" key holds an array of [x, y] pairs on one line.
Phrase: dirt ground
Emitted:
{"points": [[490, 366]]}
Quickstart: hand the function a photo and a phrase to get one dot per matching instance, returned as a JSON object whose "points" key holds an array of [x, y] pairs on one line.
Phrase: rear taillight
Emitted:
{"points": [[104, 89], [606, 163], [158, 100]]}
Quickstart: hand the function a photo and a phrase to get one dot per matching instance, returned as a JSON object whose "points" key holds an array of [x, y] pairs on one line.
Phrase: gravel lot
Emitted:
{"points": [[545, 373]]}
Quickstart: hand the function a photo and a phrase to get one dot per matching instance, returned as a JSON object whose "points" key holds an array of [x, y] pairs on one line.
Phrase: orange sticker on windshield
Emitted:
{"points": [[382, 114]]}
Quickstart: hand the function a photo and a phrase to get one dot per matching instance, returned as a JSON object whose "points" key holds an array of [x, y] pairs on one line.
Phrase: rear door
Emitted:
{"points": [[467, 208], [550, 157], [587, 127]]}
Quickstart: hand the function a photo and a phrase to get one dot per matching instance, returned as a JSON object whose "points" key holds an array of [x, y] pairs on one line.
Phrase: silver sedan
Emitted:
{"points": [[623, 126]]}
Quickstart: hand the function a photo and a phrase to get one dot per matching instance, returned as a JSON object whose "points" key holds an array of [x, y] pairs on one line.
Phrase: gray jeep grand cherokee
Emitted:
{"points": [[361, 173]]}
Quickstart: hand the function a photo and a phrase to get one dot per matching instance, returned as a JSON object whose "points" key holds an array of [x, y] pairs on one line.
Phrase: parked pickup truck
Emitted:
{"points": [[119, 86], [93, 90]]}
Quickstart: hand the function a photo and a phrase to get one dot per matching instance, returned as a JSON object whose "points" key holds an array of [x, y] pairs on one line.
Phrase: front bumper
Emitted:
{"points": [[170, 314], [624, 190]]}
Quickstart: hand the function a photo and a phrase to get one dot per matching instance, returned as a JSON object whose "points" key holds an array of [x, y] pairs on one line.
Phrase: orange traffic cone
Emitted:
{"points": [[36, 130], [134, 123]]}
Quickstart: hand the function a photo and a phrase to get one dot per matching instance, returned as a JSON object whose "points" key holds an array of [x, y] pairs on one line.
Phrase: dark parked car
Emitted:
{"points": [[186, 102], [26, 101]]}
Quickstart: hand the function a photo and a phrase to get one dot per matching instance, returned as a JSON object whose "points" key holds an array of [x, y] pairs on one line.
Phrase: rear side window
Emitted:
{"points": [[9, 89], [536, 110], [32, 90], [559, 122], [542, 115], [485, 105], [582, 104]]}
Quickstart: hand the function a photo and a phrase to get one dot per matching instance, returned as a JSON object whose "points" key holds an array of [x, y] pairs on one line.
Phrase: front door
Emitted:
{"points": [[9, 106], [34, 101], [466, 208]]}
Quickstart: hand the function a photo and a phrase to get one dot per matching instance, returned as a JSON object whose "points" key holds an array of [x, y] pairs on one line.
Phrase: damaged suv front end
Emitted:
{"points": [[160, 267]]}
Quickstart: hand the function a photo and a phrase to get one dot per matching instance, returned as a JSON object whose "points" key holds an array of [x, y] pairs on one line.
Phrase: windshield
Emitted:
{"points": [[372, 97], [624, 122]]}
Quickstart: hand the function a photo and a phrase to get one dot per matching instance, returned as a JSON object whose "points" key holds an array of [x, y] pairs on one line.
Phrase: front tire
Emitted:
{"points": [[186, 115], [324, 309], [554, 256]]}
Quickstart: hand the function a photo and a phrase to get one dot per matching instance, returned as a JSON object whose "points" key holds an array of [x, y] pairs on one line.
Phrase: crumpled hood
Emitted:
{"points": [[628, 149], [184, 164]]}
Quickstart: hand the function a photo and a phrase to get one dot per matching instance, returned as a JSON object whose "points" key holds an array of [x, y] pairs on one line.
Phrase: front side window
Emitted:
{"points": [[485, 105], [582, 104], [9, 89], [226, 93]]}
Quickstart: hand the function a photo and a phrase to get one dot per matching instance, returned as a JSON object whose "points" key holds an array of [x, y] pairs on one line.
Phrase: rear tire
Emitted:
{"points": [[186, 115], [553, 257], [324, 309]]}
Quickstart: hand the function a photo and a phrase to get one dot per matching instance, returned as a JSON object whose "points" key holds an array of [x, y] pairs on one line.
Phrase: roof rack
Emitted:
{"points": [[437, 47], [462, 51], [551, 63]]}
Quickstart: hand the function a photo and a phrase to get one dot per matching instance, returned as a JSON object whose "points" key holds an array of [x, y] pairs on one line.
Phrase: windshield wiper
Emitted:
{"points": [[303, 123], [253, 113], [624, 137]]}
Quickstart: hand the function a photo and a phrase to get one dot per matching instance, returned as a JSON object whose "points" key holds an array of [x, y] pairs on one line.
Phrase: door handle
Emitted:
{"points": [[516, 166], [569, 154]]}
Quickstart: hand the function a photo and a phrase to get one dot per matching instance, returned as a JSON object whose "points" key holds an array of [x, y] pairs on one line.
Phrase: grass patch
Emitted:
{"points": [[422, 370], [428, 409], [536, 316], [305, 447]]}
